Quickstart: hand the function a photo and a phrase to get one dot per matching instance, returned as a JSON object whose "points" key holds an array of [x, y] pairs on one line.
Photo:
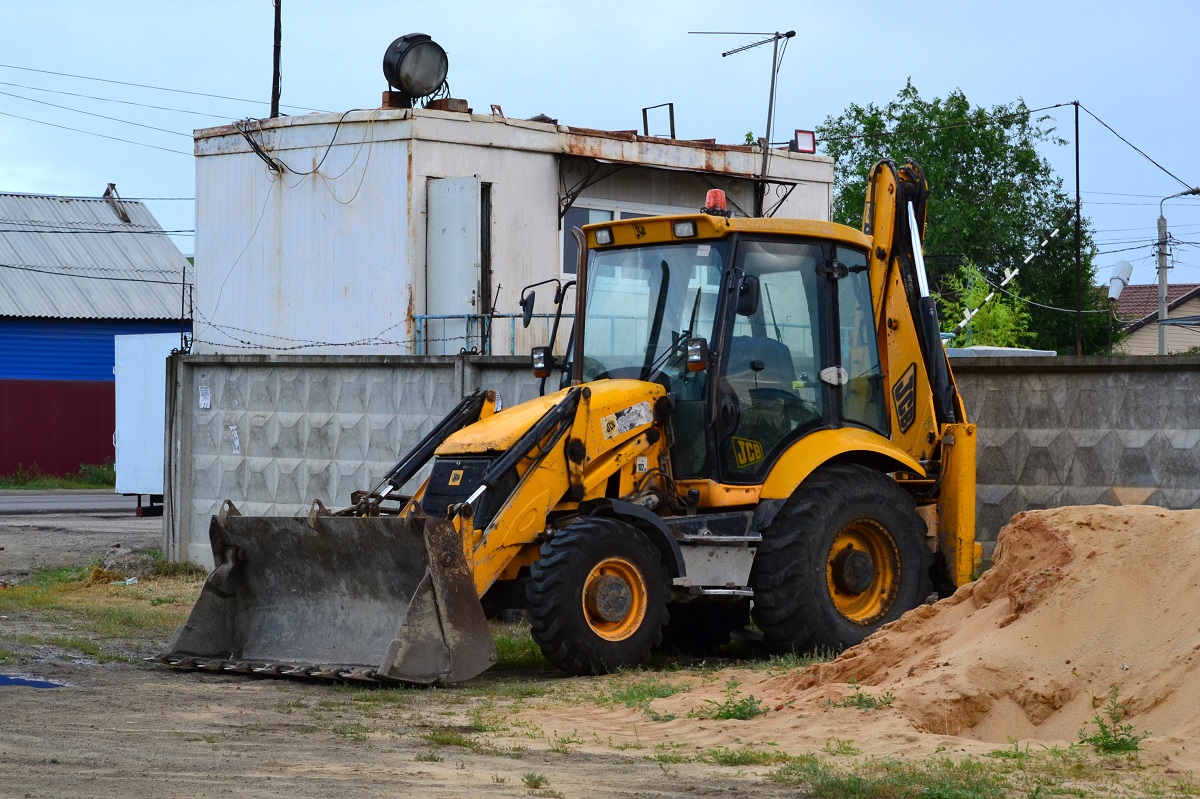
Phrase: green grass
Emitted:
{"points": [[735, 705], [32, 478], [935, 778], [354, 731], [534, 781], [723, 756], [639, 693], [862, 701]]}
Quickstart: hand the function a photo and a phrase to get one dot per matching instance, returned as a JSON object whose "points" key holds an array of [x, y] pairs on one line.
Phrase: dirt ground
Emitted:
{"points": [[977, 673]]}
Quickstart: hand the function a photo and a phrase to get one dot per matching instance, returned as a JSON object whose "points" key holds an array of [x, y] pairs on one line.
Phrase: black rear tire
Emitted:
{"points": [[845, 555], [700, 628], [597, 597]]}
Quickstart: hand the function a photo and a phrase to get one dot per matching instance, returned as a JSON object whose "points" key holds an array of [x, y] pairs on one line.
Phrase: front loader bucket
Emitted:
{"points": [[380, 598]]}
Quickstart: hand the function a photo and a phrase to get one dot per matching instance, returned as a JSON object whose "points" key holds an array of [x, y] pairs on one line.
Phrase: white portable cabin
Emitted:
{"points": [[396, 231]]}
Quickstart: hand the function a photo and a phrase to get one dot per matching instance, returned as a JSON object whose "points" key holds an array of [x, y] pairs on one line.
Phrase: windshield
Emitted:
{"points": [[643, 303]]}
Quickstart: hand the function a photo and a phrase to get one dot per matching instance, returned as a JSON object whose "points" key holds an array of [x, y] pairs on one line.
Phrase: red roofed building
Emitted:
{"points": [[1137, 312]]}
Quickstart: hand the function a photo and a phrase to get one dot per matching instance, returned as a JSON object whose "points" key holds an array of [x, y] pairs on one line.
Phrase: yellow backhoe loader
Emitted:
{"points": [[756, 420]]}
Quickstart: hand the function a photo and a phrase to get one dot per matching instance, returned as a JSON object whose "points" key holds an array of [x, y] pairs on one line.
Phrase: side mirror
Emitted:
{"points": [[747, 299], [526, 304], [697, 354], [542, 361]]}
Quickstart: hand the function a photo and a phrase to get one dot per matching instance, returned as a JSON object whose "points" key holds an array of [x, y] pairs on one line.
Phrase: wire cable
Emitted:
{"points": [[155, 88], [113, 100], [100, 135], [951, 126], [57, 273], [1134, 146]]}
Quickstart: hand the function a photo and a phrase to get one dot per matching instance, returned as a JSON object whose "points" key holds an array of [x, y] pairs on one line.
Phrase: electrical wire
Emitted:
{"points": [[951, 126], [155, 88], [100, 135], [114, 100], [61, 230], [99, 116], [38, 270], [1134, 146], [1031, 302]]}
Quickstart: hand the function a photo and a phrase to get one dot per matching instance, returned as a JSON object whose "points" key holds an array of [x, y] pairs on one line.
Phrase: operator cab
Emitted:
{"points": [[761, 331]]}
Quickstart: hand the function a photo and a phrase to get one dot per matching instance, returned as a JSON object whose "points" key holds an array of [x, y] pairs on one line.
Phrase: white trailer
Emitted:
{"points": [[141, 402]]}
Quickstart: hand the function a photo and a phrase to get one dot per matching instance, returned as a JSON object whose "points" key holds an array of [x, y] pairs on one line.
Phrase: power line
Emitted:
{"points": [[95, 277], [91, 114], [1134, 146], [92, 133], [951, 126], [114, 100], [146, 86], [58, 231]]}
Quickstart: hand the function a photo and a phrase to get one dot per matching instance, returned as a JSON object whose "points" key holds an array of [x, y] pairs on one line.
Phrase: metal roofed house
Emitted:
{"points": [[399, 231], [74, 272], [1137, 311]]}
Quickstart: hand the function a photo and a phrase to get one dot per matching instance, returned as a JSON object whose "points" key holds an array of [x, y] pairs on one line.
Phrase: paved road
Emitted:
{"points": [[103, 501]]}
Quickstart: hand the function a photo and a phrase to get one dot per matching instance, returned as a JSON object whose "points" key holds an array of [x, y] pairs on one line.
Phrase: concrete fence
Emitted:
{"points": [[272, 433]]}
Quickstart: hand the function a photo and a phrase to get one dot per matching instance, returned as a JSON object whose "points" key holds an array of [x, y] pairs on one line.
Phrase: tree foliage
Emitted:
{"points": [[993, 198], [1001, 322]]}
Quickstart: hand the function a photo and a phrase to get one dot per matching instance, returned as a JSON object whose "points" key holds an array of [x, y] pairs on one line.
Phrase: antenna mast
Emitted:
{"points": [[776, 59]]}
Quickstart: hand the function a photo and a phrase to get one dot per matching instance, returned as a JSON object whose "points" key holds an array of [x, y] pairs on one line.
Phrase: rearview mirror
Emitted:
{"points": [[747, 299], [526, 304]]}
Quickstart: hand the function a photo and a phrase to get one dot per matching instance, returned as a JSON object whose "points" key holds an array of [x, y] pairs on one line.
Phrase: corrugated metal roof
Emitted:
{"points": [[75, 258]]}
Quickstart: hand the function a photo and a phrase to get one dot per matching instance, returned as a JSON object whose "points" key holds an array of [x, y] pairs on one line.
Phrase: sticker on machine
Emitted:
{"points": [[623, 421]]}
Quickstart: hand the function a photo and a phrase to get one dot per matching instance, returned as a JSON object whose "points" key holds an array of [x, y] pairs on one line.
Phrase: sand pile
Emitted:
{"points": [[1078, 600]]}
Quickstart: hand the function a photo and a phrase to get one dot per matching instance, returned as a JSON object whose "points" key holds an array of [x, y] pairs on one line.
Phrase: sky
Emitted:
{"points": [[597, 65]]}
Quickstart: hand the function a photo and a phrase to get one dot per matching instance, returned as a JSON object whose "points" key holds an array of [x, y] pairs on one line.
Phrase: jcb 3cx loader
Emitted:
{"points": [[756, 421]]}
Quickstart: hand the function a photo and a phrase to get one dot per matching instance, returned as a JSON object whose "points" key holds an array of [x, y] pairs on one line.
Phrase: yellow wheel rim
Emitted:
{"points": [[863, 571], [614, 599]]}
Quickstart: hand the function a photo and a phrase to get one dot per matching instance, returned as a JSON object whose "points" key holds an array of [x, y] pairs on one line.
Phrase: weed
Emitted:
{"points": [[485, 718], [893, 779], [354, 732], [836, 746], [668, 772], [1112, 737], [534, 781], [429, 757], [1013, 753], [562, 744], [735, 706], [862, 701], [89, 476], [639, 693], [723, 756]]}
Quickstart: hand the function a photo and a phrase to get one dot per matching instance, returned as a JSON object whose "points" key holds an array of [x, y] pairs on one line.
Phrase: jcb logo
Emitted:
{"points": [[905, 394], [746, 452]]}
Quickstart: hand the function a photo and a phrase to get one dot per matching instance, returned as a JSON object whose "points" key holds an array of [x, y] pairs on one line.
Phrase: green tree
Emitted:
{"points": [[993, 198], [1002, 321]]}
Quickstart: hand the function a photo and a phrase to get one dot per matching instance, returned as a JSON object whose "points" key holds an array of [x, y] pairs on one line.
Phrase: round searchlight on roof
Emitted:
{"points": [[415, 65]]}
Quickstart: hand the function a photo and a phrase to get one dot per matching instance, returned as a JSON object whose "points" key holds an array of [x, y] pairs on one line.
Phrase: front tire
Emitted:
{"points": [[597, 597], [845, 556]]}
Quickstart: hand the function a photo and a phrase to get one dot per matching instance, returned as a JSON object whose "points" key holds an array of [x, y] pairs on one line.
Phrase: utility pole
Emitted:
{"points": [[1163, 238], [1162, 282], [275, 71], [1079, 251]]}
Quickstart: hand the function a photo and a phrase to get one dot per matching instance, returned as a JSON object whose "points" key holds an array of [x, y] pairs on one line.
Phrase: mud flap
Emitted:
{"points": [[384, 599]]}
